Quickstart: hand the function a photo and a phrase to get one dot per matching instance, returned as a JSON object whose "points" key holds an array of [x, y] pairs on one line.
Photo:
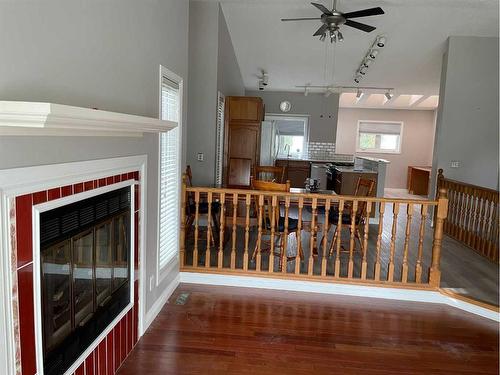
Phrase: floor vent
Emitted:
{"points": [[182, 299]]}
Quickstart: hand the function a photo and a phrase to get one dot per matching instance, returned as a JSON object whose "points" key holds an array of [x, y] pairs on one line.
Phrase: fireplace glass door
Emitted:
{"points": [[104, 263], [121, 250], [83, 277], [56, 279]]}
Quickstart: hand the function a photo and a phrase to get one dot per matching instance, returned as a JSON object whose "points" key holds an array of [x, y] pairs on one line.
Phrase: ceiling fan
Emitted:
{"points": [[333, 19]]}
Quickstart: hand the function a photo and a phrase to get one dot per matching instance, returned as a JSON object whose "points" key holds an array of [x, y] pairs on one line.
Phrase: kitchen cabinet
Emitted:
{"points": [[243, 118], [295, 170]]}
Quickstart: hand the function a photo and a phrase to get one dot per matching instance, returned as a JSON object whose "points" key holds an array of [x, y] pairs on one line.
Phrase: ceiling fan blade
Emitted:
{"points": [[360, 26], [364, 13], [321, 30], [301, 19], [322, 8]]}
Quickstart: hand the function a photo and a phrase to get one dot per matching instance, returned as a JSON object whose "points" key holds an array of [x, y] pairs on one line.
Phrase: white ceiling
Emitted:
{"points": [[411, 61]]}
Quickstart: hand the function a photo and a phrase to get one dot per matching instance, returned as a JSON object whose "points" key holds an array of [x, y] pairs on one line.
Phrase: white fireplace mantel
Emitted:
{"points": [[34, 118]]}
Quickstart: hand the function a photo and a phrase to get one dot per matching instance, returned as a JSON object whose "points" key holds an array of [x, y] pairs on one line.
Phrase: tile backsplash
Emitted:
{"points": [[320, 150]]}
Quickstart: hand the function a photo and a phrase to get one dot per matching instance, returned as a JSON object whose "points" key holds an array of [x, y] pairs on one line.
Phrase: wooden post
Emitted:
{"points": [[196, 227], [311, 239], [182, 238], [325, 238], [439, 185], [209, 230], [248, 200], [259, 236], [222, 224], [298, 256], [441, 212]]}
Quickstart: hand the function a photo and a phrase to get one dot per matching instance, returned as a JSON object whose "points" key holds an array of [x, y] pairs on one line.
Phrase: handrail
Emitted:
{"points": [[473, 217], [238, 234]]}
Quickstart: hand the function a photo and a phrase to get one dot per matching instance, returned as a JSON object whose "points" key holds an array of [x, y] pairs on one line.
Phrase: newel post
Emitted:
{"points": [[439, 185], [441, 212], [182, 239]]}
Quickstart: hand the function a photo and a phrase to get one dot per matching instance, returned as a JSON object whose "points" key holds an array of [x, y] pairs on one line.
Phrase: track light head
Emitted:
{"points": [[358, 94], [265, 78], [373, 54], [358, 78], [363, 70], [388, 95], [367, 62], [381, 41], [261, 85]]}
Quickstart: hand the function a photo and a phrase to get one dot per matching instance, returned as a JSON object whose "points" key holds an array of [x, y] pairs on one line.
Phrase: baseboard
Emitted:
{"points": [[428, 296], [160, 302]]}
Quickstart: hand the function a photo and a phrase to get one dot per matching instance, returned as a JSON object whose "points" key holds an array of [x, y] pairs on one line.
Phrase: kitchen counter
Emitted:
{"points": [[344, 169], [305, 159]]}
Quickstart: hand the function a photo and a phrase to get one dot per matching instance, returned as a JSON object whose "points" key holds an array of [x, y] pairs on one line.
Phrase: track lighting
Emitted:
{"points": [[388, 95], [363, 70], [373, 54], [367, 63], [261, 85], [265, 78], [381, 41], [358, 94], [358, 78]]}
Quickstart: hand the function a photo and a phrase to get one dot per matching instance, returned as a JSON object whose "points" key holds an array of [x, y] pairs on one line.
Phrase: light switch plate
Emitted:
{"points": [[200, 156], [455, 164]]}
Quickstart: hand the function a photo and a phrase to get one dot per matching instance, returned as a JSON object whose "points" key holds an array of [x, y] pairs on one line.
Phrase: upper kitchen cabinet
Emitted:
{"points": [[244, 108], [242, 139]]}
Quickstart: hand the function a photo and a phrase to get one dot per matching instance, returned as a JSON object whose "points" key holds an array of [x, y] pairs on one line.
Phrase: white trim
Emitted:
{"points": [[19, 181], [162, 300], [334, 288], [379, 151], [161, 274], [292, 117], [28, 118]]}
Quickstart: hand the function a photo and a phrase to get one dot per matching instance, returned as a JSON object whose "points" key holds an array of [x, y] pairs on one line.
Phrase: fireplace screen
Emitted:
{"points": [[85, 273]]}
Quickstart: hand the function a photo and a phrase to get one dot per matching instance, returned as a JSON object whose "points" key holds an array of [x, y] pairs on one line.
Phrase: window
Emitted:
{"points": [[291, 134], [379, 136], [169, 171]]}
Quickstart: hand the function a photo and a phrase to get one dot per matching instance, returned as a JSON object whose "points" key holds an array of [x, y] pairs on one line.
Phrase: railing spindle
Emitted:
{"points": [[248, 200], [325, 238], [418, 266], [338, 238], [354, 212], [284, 243], [404, 271], [311, 239], [222, 224], [233, 236], [395, 212], [209, 230], [182, 239], [442, 210], [196, 227], [364, 263], [258, 259], [299, 237], [274, 201], [379, 240]]}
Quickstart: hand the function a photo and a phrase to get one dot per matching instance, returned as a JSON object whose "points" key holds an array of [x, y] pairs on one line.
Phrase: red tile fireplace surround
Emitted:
{"points": [[110, 352]]}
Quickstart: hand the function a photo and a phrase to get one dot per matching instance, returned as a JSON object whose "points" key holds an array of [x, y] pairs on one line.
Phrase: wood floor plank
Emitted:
{"points": [[228, 330]]}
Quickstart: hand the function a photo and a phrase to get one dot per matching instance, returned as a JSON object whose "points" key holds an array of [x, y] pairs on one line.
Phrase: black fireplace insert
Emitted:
{"points": [[85, 273]]}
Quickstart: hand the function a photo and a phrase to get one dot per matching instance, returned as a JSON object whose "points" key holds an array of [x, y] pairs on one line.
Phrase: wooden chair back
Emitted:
{"points": [[269, 173], [364, 188], [269, 215]]}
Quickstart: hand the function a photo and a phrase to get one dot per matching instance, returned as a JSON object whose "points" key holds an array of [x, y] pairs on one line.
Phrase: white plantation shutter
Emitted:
{"points": [[219, 152], [169, 175]]}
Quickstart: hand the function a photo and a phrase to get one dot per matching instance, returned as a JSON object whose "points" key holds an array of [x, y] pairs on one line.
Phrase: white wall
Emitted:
{"points": [[212, 68], [417, 142], [322, 111], [103, 54], [467, 124]]}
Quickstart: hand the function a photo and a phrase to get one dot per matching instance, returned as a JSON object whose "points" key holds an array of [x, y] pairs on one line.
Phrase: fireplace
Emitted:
{"points": [[85, 273]]}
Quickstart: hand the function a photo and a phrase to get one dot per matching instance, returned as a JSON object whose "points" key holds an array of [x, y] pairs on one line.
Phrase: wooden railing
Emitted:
{"points": [[473, 216], [400, 250]]}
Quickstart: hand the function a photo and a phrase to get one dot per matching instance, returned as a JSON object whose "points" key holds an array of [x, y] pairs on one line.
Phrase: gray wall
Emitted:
{"points": [[103, 54], [212, 67], [416, 144], [467, 122], [322, 111]]}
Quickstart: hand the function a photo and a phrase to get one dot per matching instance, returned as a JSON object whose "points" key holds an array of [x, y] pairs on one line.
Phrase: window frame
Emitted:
{"points": [[162, 272], [291, 117], [378, 150]]}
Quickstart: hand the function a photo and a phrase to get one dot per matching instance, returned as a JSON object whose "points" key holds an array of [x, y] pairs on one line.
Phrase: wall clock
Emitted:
{"points": [[285, 106]]}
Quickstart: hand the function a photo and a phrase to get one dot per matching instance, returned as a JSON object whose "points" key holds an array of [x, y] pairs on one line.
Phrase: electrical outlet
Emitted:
{"points": [[200, 156], [455, 164], [151, 282]]}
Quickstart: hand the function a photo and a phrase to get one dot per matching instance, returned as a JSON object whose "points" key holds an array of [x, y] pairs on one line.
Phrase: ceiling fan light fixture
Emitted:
{"points": [[340, 37], [322, 37]]}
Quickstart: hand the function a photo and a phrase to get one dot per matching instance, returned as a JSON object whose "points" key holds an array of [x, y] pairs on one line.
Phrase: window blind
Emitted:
{"points": [[219, 152], [169, 176], [380, 128], [290, 127]]}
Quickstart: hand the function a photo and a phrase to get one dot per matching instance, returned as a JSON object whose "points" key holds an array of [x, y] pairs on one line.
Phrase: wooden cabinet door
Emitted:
{"points": [[297, 176], [243, 143], [244, 108]]}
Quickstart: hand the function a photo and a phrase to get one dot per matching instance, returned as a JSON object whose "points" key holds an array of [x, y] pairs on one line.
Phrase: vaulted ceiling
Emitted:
{"points": [[416, 32]]}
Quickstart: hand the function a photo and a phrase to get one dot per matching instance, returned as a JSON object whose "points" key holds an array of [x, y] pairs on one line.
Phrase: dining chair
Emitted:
{"points": [[269, 173], [271, 215], [364, 188], [202, 210]]}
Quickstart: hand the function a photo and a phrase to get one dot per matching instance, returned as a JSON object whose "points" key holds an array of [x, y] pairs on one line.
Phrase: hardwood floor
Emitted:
{"points": [[227, 330], [463, 270]]}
